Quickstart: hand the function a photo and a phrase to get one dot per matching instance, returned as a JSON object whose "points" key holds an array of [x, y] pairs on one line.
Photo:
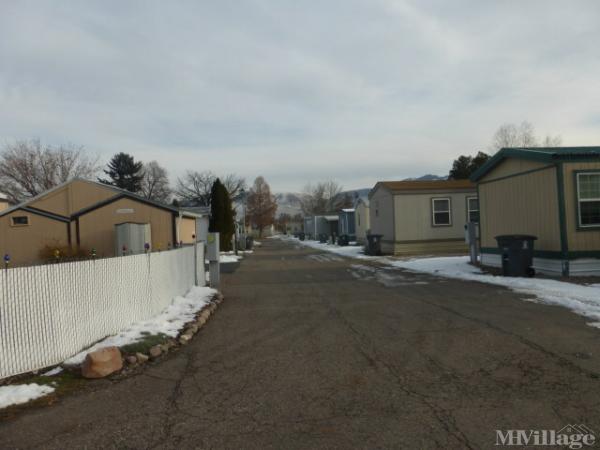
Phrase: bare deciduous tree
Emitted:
{"points": [[234, 185], [194, 187], [28, 168], [261, 205], [321, 198], [523, 135], [155, 182]]}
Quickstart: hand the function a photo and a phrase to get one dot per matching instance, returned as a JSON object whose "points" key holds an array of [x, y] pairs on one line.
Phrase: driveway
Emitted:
{"points": [[311, 350]]}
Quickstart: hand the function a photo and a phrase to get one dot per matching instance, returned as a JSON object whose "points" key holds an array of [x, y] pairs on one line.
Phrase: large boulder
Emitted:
{"points": [[102, 363]]}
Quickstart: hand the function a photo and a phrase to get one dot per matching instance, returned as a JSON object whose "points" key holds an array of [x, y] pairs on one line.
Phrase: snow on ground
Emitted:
{"points": [[53, 372], [169, 322], [581, 299], [224, 259], [22, 393]]}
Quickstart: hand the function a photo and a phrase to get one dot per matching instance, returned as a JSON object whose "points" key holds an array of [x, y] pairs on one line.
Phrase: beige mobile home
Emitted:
{"points": [[422, 216], [362, 219], [82, 215], [550, 193]]}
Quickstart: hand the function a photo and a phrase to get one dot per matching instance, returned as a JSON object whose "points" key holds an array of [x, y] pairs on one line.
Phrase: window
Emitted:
{"points": [[377, 208], [358, 217], [441, 212], [20, 221], [472, 209], [588, 199]]}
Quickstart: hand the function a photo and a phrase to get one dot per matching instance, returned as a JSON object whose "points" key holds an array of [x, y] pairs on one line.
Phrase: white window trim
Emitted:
{"points": [[449, 200], [469, 210], [580, 200]]}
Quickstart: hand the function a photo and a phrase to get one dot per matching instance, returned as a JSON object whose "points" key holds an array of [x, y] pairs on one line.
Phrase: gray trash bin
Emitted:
{"points": [[374, 244], [516, 251]]}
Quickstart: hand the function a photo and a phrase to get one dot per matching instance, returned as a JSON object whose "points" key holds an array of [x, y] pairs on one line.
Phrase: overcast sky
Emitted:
{"points": [[298, 91]]}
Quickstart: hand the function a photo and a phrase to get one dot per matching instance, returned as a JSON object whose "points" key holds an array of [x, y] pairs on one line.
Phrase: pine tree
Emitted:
{"points": [[124, 172], [221, 219]]}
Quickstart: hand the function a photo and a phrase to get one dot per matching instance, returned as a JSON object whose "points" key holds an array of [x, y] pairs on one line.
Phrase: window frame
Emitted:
{"points": [[469, 210], [578, 200], [433, 222], [13, 224]]}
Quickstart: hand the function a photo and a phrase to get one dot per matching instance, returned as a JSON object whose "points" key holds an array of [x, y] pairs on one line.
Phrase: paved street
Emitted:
{"points": [[311, 350]]}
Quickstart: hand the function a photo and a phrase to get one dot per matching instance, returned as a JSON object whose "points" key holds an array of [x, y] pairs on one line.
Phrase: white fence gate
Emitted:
{"points": [[49, 313]]}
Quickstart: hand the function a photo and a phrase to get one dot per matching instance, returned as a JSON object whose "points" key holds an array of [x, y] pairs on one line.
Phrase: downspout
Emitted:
{"points": [[562, 218]]}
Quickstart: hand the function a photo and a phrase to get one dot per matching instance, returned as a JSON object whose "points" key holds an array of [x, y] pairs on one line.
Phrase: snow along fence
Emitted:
{"points": [[49, 313]]}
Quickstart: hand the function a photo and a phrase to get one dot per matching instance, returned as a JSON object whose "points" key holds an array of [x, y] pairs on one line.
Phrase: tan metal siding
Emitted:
{"points": [[381, 216], [578, 240], [512, 166], [187, 229], [414, 216], [525, 204], [97, 228], [24, 243], [74, 197]]}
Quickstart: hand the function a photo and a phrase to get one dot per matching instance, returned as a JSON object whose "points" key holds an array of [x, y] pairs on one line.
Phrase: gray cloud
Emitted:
{"points": [[297, 91]]}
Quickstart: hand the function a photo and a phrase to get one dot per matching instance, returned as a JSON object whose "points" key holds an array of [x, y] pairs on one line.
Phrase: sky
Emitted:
{"points": [[354, 91]]}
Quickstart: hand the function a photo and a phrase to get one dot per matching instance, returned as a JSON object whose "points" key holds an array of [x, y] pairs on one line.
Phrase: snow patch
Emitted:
{"points": [[22, 393], [168, 322], [53, 372]]}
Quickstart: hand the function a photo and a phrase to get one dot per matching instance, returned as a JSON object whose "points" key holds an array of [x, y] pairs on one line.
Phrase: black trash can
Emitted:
{"points": [[249, 242], [323, 238], [374, 244], [516, 251], [301, 236], [343, 240]]}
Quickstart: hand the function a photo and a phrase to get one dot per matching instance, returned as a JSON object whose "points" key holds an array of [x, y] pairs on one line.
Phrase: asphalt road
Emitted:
{"points": [[310, 350]]}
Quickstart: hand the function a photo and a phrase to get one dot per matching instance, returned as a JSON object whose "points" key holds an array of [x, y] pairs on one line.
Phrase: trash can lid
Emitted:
{"points": [[516, 237]]}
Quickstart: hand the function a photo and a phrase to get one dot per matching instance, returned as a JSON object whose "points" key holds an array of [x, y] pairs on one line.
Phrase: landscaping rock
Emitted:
{"points": [[102, 363], [164, 348], [193, 329], [141, 358], [131, 359], [184, 339], [155, 351]]}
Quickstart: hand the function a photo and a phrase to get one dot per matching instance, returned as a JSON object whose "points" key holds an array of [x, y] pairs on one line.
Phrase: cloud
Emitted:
{"points": [[297, 91]]}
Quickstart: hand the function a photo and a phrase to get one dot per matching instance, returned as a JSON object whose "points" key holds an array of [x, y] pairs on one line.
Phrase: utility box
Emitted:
{"points": [[202, 229], [131, 238], [212, 253]]}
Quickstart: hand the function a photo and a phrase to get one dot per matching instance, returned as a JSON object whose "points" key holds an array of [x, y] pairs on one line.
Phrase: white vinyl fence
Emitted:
{"points": [[49, 313]]}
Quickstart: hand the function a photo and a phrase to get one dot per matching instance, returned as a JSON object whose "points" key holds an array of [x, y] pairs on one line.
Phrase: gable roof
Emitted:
{"points": [[119, 194], [543, 154], [418, 185]]}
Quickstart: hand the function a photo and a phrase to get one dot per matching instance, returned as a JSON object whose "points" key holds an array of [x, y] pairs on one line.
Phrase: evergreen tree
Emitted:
{"points": [[221, 219], [124, 172], [464, 166]]}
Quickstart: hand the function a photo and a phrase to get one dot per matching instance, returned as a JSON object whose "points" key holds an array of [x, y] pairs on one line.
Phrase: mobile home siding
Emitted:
{"points": [[578, 240], [381, 211], [521, 204], [512, 166], [362, 222], [414, 217], [97, 227]]}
